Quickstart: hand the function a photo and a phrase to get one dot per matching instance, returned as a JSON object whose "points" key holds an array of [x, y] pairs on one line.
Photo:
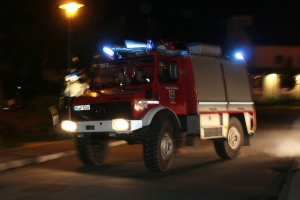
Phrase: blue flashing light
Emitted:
{"points": [[150, 45], [108, 51], [133, 44], [239, 56], [72, 77]]}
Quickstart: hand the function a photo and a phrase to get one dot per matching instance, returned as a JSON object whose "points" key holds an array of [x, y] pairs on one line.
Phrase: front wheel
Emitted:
{"points": [[92, 151], [230, 147], [159, 144]]}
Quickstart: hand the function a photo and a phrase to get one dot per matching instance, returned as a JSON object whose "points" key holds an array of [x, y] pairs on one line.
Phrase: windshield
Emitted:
{"points": [[131, 71]]}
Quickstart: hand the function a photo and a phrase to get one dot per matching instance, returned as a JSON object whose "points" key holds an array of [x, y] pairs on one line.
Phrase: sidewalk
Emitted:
{"points": [[295, 188], [38, 152], [291, 186]]}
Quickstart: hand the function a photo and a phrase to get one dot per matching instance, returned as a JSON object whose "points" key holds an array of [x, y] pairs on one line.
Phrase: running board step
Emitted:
{"points": [[213, 132]]}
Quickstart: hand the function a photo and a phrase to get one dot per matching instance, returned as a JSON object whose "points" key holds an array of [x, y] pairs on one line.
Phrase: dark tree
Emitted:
{"points": [[287, 79]]}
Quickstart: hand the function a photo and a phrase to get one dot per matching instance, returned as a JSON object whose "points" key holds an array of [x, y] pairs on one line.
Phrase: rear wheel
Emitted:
{"points": [[230, 147], [92, 151], [159, 144]]}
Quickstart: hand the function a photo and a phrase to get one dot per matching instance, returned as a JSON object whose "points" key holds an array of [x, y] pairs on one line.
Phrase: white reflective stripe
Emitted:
{"points": [[149, 102], [214, 103], [224, 103], [247, 103]]}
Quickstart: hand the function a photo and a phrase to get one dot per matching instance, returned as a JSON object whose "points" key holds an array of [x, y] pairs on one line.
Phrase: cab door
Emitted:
{"points": [[169, 86]]}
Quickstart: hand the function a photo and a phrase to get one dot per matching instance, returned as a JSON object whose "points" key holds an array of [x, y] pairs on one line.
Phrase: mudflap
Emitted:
{"points": [[246, 139]]}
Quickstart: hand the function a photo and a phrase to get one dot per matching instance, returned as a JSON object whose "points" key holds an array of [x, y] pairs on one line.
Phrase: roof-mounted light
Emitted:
{"points": [[134, 44], [239, 56], [108, 51], [150, 45]]}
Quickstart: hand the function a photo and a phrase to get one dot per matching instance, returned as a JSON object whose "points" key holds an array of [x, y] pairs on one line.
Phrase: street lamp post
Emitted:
{"points": [[71, 11]]}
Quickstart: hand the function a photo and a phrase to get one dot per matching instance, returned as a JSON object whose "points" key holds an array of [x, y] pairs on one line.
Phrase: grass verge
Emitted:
{"points": [[32, 123]]}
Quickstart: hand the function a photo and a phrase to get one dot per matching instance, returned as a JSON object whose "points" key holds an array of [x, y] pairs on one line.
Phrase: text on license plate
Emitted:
{"points": [[82, 107]]}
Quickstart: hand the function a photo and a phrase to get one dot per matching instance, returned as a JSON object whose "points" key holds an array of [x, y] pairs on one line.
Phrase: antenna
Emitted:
{"points": [[163, 42]]}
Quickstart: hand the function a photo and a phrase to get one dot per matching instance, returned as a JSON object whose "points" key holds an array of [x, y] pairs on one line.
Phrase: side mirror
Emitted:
{"points": [[173, 71]]}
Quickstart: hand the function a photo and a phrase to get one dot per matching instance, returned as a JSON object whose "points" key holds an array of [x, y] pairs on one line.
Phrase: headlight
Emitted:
{"points": [[68, 126], [120, 125]]}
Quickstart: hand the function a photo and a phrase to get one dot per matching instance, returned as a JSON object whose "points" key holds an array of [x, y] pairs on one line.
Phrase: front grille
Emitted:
{"points": [[105, 111]]}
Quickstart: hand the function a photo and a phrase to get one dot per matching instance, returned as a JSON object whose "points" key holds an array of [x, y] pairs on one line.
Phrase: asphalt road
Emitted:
{"points": [[197, 173]]}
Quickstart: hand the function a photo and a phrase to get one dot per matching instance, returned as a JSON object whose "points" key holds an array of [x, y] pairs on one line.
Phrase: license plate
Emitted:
{"points": [[82, 107]]}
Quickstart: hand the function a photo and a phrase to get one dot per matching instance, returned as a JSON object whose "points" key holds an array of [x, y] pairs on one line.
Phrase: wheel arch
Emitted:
{"points": [[146, 120], [242, 119]]}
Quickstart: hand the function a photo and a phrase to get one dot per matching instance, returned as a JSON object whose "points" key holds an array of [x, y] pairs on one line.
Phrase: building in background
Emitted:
{"points": [[271, 67], [267, 67]]}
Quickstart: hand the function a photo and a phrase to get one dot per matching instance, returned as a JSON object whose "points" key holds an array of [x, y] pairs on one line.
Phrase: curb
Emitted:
{"points": [[288, 181], [34, 160], [40, 159]]}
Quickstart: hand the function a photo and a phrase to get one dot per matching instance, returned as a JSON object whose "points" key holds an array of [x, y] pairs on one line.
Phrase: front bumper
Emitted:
{"points": [[105, 126]]}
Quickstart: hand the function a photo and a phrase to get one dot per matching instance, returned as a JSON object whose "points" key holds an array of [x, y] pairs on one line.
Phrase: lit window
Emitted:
{"points": [[297, 79]]}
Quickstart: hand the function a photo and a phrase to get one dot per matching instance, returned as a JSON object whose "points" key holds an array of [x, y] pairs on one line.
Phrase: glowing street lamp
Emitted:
{"points": [[71, 11], [71, 8]]}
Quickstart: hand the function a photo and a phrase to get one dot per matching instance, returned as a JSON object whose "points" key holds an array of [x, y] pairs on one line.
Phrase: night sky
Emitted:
{"points": [[203, 21], [34, 32]]}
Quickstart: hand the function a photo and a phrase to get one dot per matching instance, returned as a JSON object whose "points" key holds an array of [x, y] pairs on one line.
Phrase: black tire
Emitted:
{"points": [[92, 151], [230, 147], [159, 144]]}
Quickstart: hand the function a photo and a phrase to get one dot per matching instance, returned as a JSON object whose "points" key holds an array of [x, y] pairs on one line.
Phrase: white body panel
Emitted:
{"points": [[222, 88]]}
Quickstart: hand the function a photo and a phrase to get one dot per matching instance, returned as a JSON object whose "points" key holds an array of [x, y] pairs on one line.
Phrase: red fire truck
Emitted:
{"points": [[185, 93]]}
